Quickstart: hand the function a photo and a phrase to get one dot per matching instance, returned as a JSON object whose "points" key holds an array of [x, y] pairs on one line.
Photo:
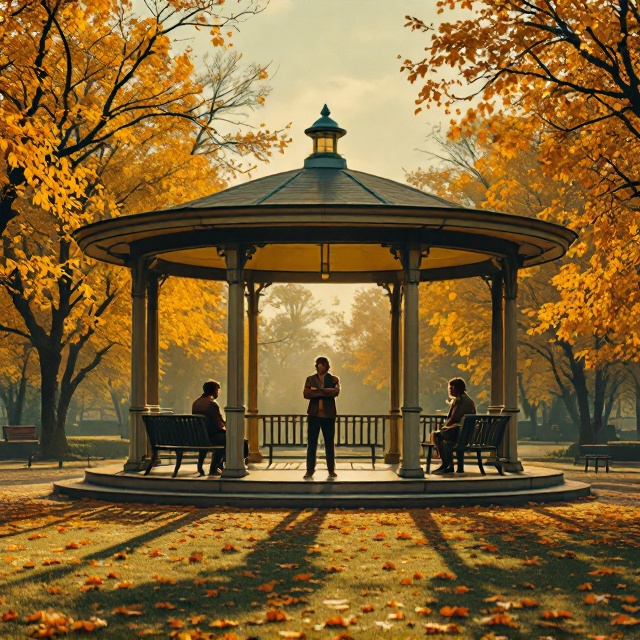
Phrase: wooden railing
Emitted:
{"points": [[291, 429]]}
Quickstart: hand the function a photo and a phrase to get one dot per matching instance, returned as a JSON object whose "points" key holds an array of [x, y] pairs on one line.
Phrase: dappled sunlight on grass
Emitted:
{"points": [[137, 570]]}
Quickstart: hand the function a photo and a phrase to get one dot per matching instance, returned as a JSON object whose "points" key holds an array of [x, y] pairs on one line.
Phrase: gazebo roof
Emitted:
{"points": [[285, 216]]}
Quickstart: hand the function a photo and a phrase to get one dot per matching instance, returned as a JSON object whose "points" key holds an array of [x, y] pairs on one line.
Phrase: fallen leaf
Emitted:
{"points": [[433, 628], [9, 615], [601, 572], [388, 566], [127, 611], [302, 577], [276, 615], [587, 586], [500, 619], [223, 624], [125, 584], [403, 535], [164, 605], [553, 615], [423, 611], [196, 557], [625, 620], [445, 575], [454, 612], [367, 608]]}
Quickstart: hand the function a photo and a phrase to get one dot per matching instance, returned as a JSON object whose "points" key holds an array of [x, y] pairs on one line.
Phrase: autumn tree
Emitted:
{"points": [[513, 56], [82, 85], [488, 169], [290, 331]]}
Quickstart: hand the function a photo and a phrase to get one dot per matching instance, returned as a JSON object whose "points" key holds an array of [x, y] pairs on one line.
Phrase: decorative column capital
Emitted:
{"points": [[236, 257], [410, 256]]}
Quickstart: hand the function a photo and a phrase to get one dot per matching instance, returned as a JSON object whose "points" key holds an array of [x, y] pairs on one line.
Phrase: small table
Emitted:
{"points": [[596, 458]]}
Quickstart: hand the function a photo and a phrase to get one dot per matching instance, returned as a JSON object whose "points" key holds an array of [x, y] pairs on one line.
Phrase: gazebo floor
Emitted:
{"points": [[358, 485]]}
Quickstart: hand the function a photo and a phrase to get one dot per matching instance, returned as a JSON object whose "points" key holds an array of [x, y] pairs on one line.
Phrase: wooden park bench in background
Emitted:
{"points": [[180, 433], [478, 434], [20, 441]]}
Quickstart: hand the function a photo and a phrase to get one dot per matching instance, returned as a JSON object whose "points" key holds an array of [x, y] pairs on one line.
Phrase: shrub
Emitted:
{"points": [[97, 447]]}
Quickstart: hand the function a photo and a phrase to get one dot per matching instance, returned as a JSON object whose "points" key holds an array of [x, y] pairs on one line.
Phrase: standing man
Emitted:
{"points": [[207, 406], [445, 439], [321, 390]]}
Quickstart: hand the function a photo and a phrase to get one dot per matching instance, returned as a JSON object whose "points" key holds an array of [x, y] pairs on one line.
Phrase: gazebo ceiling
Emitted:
{"points": [[286, 216]]}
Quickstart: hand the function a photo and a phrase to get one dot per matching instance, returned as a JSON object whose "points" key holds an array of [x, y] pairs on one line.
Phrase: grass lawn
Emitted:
{"points": [[552, 571]]}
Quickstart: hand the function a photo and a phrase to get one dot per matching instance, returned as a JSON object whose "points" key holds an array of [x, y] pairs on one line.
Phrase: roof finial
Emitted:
{"points": [[325, 133]]}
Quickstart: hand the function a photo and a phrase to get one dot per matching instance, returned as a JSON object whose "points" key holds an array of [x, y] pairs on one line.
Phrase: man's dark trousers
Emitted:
{"points": [[445, 441], [328, 427]]}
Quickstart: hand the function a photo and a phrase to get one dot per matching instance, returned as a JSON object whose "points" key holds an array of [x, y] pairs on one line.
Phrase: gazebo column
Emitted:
{"points": [[511, 364], [394, 292], [235, 258], [153, 342], [253, 294], [138, 402], [411, 256], [497, 345]]}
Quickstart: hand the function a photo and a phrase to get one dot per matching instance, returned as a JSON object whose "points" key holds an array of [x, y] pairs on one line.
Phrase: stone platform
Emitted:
{"points": [[358, 485]]}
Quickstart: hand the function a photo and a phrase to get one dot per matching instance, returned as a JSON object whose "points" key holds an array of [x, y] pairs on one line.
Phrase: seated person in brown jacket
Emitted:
{"points": [[445, 439], [207, 406]]}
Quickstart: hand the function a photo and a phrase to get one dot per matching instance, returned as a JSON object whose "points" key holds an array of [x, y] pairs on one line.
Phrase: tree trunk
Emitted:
{"points": [[53, 439], [579, 380]]}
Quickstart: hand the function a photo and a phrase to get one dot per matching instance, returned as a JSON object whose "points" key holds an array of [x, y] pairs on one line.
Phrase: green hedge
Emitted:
{"points": [[97, 447]]}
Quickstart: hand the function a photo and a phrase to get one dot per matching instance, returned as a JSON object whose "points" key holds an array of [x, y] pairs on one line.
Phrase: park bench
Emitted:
{"points": [[180, 433], [20, 441], [352, 432], [478, 434], [585, 450]]}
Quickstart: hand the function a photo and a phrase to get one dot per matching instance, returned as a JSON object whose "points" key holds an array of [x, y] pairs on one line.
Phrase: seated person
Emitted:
{"points": [[207, 406], [446, 438]]}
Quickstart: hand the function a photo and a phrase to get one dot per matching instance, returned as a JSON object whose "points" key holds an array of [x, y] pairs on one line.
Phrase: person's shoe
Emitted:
{"points": [[460, 470], [333, 474], [308, 475], [215, 472], [439, 471], [443, 471], [448, 472]]}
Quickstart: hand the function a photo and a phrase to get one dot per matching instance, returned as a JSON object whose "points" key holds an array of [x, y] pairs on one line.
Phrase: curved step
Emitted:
{"points": [[563, 492]]}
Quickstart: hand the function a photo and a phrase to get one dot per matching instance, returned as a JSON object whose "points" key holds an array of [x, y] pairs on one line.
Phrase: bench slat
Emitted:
{"points": [[19, 432]]}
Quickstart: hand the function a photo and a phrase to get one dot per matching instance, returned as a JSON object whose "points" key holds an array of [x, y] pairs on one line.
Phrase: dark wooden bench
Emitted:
{"points": [[585, 450], [180, 433], [353, 432], [478, 434], [19, 433], [596, 458]]}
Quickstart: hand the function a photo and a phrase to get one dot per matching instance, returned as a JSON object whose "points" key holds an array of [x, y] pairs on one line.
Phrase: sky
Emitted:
{"points": [[343, 53]]}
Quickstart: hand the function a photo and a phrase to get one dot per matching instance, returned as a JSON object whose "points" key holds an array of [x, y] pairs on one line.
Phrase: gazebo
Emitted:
{"points": [[323, 222]]}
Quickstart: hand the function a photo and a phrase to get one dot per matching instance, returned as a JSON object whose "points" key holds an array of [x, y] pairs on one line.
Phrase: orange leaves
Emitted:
{"points": [[367, 608], [9, 615], [602, 572], [389, 566], [125, 584], [334, 569], [403, 535], [156, 553], [461, 590], [423, 611], [339, 621], [196, 557], [164, 605], [500, 619], [120, 555], [445, 575], [587, 586], [128, 610], [625, 620], [529, 562], [223, 624], [302, 577], [94, 580], [163, 579], [434, 628], [268, 586], [454, 612], [229, 548], [276, 615], [556, 615]]}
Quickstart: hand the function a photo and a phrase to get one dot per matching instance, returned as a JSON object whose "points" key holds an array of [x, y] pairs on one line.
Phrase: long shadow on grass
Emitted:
{"points": [[229, 590], [178, 520]]}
